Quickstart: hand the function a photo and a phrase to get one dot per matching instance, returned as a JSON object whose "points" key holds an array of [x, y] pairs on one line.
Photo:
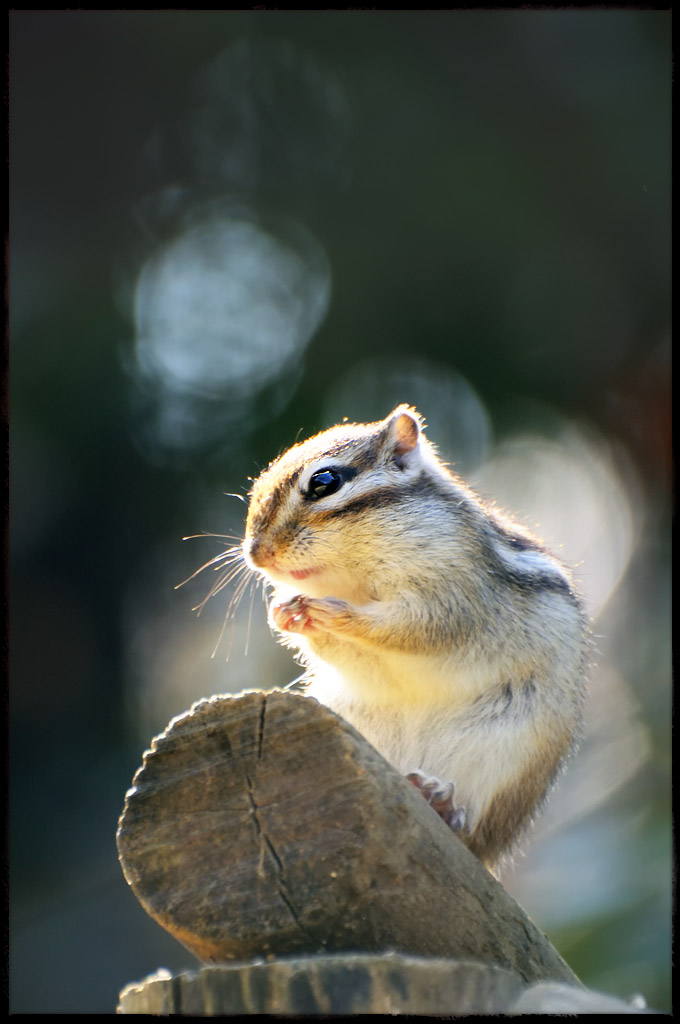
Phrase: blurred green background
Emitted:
{"points": [[230, 229]]}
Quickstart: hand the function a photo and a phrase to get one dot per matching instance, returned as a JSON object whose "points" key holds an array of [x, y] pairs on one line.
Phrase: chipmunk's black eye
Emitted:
{"points": [[324, 482]]}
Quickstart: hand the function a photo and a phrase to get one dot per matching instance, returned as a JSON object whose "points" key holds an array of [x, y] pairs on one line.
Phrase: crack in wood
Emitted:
{"points": [[265, 841], [260, 735]]}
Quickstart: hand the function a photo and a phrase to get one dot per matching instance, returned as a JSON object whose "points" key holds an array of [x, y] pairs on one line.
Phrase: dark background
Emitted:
{"points": [[228, 228]]}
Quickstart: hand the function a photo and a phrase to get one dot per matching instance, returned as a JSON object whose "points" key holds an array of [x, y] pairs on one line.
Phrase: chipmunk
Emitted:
{"points": [[444, 632]]}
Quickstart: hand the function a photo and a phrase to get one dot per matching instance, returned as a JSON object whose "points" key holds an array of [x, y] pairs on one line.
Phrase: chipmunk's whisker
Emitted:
{"points": [[230, 555], [231, 567], [221, 634], [250, 616], [228, 574], [239, 591], [226, 578], [217, 536], [246, 579]]}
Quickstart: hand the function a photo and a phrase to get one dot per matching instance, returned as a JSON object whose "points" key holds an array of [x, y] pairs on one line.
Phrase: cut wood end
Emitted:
{"points": [[263, 824]]}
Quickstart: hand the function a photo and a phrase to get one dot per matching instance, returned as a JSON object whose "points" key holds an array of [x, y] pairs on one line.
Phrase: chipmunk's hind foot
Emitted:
{"points": [[439, 795]]}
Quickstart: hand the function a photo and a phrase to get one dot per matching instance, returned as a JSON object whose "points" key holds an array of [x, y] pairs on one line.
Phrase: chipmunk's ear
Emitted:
{"points": [[403, 428]]}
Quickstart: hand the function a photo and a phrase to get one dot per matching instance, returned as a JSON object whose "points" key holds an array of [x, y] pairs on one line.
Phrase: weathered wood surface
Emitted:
{"points": [[360, 983], [338, 984], [264, 825]]}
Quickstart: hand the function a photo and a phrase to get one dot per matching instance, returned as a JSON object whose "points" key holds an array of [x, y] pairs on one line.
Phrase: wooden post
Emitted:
{"points": [[352, 983], [263, 825]]}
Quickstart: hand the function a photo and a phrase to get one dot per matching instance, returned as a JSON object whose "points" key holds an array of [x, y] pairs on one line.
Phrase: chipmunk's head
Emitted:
{"points": [[325, 505]]}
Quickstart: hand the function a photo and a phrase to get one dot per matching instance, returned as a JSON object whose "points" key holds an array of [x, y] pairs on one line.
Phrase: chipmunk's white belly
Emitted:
{"points": [[415, 712], [388, 681]]}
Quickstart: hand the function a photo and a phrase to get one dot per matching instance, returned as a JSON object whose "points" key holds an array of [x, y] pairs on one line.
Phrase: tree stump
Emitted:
{"points": [[262, 825]]}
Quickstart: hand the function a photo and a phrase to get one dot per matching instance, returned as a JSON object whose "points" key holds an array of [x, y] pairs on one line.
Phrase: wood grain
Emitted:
{"points": [[263, 825]]}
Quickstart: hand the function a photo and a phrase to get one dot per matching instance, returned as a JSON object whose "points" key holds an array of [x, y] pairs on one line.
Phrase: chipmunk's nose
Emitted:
{"points": [[258, 553]]}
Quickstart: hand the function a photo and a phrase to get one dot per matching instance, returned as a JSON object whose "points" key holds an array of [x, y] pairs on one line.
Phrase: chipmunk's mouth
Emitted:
{"points": [[302, 574]]}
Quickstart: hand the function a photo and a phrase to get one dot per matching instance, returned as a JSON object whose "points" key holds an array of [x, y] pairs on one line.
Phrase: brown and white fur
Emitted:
{"points": [[441, 630]]}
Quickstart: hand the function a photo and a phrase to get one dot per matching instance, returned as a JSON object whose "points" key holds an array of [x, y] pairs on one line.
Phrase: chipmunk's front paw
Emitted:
{"points": [[301, 614], [439, 795], [289, 616], [329, 614]]}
